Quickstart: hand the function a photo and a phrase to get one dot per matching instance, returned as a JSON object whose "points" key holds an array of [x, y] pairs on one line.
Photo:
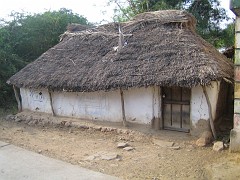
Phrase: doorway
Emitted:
{"points": [[176, 108]]}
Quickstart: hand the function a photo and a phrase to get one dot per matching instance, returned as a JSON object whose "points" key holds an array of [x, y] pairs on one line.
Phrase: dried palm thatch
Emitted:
{"points": [[229, 52], [160, 48]]}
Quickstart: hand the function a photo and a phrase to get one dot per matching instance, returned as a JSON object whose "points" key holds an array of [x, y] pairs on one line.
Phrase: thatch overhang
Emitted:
{"points": [[229, 52], [160, 48]]}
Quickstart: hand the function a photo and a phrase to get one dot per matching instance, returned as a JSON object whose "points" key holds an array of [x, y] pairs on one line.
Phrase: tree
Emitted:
{"points": [[226, 36], [208, 13], [34, 34], [25, 38], [10, 63]]}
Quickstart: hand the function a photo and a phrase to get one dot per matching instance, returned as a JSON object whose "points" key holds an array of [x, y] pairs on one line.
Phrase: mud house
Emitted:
{"points": [[153, 69]]}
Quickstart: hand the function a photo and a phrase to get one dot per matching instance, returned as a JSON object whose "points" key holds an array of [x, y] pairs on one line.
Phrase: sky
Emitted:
{"points": [[96, 11]]}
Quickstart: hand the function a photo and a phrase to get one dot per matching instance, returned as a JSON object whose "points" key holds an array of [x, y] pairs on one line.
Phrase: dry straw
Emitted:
{"points": [[160, 48]]}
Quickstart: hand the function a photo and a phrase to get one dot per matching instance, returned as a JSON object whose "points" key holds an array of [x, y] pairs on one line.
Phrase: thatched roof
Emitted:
{"points": [[160, 48], [229, 52]]}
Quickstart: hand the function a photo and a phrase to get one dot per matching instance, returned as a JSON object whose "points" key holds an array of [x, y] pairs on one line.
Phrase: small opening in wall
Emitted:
{"points": [[40, 93]]}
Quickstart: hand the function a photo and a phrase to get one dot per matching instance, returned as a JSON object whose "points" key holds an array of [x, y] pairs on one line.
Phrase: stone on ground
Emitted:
{"points": [[28, 119], [218, 146], [162, 143], [129, 148], [10, 117], [174, 147], [102, 156], [109, 156], [17, 119], [122, 145], [205, 139], [90, 158]]}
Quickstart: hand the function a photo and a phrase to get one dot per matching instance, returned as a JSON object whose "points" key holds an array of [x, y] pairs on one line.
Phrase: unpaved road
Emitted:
{"points": [[146, 161]]}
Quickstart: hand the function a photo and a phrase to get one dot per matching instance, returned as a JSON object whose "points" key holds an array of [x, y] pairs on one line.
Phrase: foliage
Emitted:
{"points": [[222, 38], [26, 37], [208, 13], [10, 63], [31, 35], [228, 34]]}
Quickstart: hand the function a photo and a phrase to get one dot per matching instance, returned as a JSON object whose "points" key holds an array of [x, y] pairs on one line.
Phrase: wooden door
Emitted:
{"points": [[176, 108]]}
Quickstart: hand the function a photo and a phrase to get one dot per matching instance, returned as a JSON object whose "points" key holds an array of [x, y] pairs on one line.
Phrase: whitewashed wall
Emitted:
{"points": [[141, 104], [93, 105], [199, 107], [35, 100]]}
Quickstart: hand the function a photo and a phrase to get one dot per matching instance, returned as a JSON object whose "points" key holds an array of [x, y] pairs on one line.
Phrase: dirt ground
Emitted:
{"points": [[81, 146]]}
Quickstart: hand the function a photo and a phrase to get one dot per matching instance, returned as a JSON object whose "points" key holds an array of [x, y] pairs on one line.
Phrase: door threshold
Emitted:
{"points": [[177, 129]]}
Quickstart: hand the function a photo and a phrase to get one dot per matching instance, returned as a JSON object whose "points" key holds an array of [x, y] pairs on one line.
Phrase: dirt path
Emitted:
{"points": [[147, 160]]}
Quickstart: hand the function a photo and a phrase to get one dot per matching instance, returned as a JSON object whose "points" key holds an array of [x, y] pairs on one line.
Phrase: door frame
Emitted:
{"points": [[162, 112]]}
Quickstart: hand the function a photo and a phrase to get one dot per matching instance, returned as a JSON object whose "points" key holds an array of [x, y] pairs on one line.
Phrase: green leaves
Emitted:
{"points": [[25, 38], [208, 13], [34, 34]]}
